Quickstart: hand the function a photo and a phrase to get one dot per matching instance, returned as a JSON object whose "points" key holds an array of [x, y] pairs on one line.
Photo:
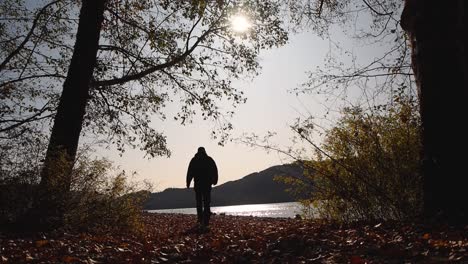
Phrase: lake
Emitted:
{"points": [[283, 210]]}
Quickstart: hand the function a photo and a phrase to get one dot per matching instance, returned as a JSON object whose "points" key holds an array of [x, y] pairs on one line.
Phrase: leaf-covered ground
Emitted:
{"points": [[172, 238]]}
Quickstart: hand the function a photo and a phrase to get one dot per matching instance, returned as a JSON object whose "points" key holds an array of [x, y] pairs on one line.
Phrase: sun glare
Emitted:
{"points": [[240, 23]]}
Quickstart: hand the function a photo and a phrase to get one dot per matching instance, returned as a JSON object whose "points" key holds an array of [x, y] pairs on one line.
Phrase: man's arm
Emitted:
{"points": [[215, 173], [189, 174]]}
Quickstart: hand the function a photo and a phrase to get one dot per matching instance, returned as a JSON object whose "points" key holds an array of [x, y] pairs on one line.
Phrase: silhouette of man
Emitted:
{"points": [[203, 170]]}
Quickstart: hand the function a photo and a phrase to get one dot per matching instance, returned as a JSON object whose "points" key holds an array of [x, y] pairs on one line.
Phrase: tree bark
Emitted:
{"points": [[63, 144], [437, 32]]}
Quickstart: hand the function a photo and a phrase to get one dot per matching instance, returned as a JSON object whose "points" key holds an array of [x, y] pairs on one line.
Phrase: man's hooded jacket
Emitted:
{"points": [[203, 170]]}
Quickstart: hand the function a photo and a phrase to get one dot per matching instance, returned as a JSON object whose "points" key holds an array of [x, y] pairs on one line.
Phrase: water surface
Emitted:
{"points": [[283, 210]]}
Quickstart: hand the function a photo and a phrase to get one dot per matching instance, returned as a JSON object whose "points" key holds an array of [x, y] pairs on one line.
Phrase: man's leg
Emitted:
{"points": [[206, 205], [198, 198]]}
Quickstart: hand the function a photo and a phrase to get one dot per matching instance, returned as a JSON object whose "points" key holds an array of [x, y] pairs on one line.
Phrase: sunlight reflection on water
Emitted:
{"points": [[283, 210]]}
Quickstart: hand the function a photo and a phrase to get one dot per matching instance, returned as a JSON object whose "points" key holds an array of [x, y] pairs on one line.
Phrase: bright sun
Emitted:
{"points": [[240, 23]]}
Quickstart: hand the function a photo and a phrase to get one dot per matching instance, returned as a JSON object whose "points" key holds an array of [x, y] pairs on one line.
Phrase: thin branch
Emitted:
{"points": [[286, 153], [190, 32], [320, 8], [181, 86], [375, 11], [123, 51], [128, 22], [32, 77], [214, 49], [10, 40], [29, 119], [138, 56], [54, 43], [154, 68], [28, 36]]}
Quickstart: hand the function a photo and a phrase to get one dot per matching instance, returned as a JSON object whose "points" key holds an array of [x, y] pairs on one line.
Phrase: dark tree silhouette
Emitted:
{"points": [[63, 144], [437, 32]]}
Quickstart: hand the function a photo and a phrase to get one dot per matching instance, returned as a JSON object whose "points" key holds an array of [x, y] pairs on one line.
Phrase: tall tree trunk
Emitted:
{"points": [[61, 152], [438, 31]]}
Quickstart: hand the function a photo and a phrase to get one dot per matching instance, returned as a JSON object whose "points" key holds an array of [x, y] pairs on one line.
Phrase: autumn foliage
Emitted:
{"points": [[368, 165], [102, 198]]}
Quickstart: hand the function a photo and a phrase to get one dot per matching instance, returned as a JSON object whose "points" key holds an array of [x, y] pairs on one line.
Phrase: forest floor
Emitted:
{"points": [[173, 238]]}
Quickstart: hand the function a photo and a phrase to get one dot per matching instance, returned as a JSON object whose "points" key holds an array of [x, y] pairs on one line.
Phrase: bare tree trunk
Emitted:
{"points": [[437, 31], [61, 152]]}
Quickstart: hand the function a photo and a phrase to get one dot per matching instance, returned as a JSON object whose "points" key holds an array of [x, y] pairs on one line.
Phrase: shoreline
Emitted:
{"points": [[274, 210]]}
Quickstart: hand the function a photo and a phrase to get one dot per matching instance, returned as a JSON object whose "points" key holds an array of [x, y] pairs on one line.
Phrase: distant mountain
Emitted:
{"points": [[258, 187]]}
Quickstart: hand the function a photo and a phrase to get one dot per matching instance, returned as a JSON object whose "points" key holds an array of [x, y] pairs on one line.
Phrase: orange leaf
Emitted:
{"points": [[41, 243], [216, 243]]}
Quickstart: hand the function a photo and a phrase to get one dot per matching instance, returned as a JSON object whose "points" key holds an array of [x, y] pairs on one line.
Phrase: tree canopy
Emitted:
{"points": [[151, 54]]}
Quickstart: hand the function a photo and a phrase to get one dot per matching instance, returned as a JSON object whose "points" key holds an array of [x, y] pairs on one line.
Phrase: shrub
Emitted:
{"points": [[367, 166], [21, 158], [102, 198]]}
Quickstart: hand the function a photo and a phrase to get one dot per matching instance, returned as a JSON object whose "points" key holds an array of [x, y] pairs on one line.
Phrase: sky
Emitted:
{"points": [[270, 106]]}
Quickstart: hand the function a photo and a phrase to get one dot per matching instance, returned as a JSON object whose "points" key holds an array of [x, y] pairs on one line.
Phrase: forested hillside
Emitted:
{"points": [[258, 187]]}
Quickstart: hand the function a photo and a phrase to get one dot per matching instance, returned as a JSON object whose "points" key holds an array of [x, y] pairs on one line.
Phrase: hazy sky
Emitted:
{"points": [[270, 107]]}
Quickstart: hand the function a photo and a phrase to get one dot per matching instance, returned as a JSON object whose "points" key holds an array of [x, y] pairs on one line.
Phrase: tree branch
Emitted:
{"points": [[375, 11], [121, 50], [29, 119], [28, 36], [154, 68], [181, 86], [130, 23], [32, 77], [320, 8], [190, 33]]}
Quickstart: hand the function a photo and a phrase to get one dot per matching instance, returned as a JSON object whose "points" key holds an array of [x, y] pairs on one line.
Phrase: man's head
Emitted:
{"points": [[201, 150]]}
